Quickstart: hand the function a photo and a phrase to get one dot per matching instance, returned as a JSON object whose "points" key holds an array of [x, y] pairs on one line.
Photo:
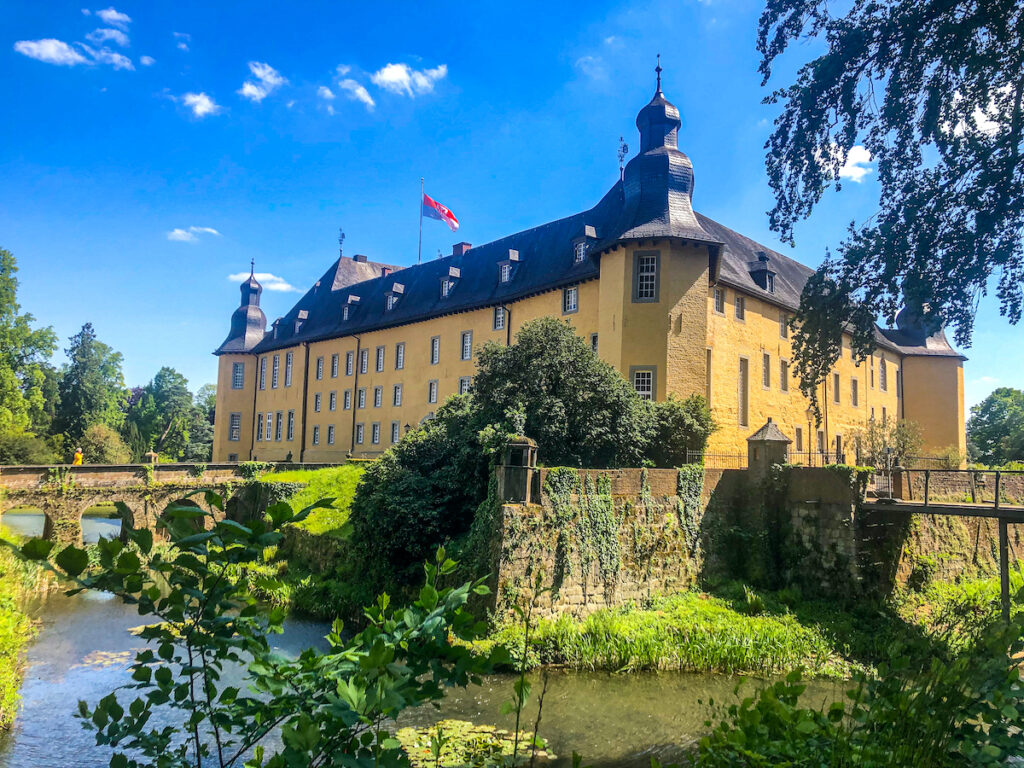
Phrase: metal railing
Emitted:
{"points": [[815, 458], [717, 460]]}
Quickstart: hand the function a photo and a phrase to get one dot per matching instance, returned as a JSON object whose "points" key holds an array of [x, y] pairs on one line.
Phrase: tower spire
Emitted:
{"points": [[252, 267], [657, 70]]}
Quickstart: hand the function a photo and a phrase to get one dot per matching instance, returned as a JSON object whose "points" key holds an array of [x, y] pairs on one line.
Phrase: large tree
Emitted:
{"points": [[163, 413], [996, 427], [91, 387], [934, 89], [23, 350]]}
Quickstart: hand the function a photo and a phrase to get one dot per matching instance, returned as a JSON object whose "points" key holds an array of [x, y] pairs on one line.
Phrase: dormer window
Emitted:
{"points": [[344, 312], [581, 244], [303, 314], [392, 296], [349, 305], [579, 251], [449, 280], [770, 282], [762, 273], [505, 266], [446, 288]]}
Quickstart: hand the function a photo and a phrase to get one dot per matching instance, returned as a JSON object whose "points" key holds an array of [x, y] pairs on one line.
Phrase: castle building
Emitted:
{"points": [[677, 303]]}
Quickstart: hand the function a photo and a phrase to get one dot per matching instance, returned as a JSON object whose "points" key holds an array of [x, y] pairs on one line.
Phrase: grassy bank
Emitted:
{"points": [[338, 483], [18, 580]]}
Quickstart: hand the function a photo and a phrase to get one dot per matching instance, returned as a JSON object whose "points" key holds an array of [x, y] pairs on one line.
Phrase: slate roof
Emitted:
{"points": [[652, 201], [771, 433]]}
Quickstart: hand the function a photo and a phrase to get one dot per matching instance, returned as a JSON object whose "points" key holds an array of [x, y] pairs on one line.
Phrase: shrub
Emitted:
{"points": [[679, 426], [24, 448], [102, 445]]}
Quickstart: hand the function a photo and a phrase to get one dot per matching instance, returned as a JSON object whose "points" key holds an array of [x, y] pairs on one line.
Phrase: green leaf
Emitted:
{"points": [[72, 560], [428, 597], [36, 549]]}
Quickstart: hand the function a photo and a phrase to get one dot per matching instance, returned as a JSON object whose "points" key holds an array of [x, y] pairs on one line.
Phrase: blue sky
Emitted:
{"points": [[151, 149]]}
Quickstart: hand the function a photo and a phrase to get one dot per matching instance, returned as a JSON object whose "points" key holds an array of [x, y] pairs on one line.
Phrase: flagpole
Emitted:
{"points": [[419, 252]]}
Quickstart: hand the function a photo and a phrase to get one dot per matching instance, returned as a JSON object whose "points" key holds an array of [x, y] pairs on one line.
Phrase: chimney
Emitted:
{"points": [[385, 271], [460, 248], [360, 258]]}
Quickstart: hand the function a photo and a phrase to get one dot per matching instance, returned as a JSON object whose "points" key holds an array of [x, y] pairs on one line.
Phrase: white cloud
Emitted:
{"points": [[190, 235], [269, 81], [592, 67], [50, 51], [86, 12], [115, 18], [200, 104], [357, 92], [343, 69], [269, 281], [404, 80], [107, 56], [147, 61], [102, 35], [325, 93], [856, 166], [183, 38]]}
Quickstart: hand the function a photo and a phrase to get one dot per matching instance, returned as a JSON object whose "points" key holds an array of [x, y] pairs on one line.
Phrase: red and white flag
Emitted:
{"points": [[434, 210]]}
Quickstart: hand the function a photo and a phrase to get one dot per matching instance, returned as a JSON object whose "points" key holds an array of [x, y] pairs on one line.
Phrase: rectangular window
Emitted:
{"points": [[344, 312], [593, 343], [579, 251], [269, 434], [319, 368], [505, 273], [467, 345], [766, 371], [783, 325], [378, 397], [279, 426], [288, 369], [883, 375], [707, 375], [346, 400], [332, 401], [263, 373], [390, 302], [396, 431], [364, 361], [645, 276], [784, 375], [361, 398], [316, 403], [400, 356], [291, 425], [821, 441], [885, 415], [237, 375], [380, 359], [396, 396], [330, 434], [854, 392], [334, 366], [720, 300], [743, 381], [349, 363], [232, 457], [871, 380], [465, 382], [835, 388], [770, 282], [432, 392], [799, 440], [643, 383], [741, 308], [359, 434], [259, 426], [435, 350], [570, 300], [375, 433], [316, 435], [274, 371], [499, 318], [235, 427]]}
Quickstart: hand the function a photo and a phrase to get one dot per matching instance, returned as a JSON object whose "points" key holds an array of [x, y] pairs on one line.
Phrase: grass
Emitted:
{"points": [[338, 483], [692, 631]]}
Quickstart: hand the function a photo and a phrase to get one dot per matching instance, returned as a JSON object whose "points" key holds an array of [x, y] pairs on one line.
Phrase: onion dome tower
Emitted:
{"points": [[248, 323], [658, 182]]}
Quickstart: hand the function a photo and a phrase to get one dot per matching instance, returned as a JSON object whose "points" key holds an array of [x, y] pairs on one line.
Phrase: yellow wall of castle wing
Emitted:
{"points": [[933, 389], [233, 401]]}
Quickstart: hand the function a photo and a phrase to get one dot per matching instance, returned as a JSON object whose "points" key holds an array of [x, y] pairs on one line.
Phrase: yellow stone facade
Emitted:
{"points": [[325, 418]]}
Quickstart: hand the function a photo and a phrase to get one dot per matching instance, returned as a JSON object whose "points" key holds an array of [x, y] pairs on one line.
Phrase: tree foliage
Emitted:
{"points": [[935, 91], [578, 408], [996, 427], [886, 443], [680, 426], [102, 445], [91, 388], [23, 350], [163, 413]]}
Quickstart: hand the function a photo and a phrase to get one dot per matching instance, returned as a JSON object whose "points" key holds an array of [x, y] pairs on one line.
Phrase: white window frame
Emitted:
{"points": [[278, 426], [238, 375], [646, 276], [783, 325], [396, 395], [320, 368], [364, 361], [235, 427], [643, 382], [498, 322], [854, 392], [350, 363], [465, 382], [784, 375], [740, 304], [332, 401], [316, 434], [291, 426], [263, 372], [346, 400], [375, 433], [380, 359], [446, 287], [505, 273], [836, 390], [432, 391], [275, 370], [359, 433], [330, 434], [396, 431], [288, 360], [719, 301], [316, 402], [259, 427], [570, 300], [435, 350], [361, 398], [378, 397], [334, 365], [400, 356], [466, 342], [766, 371]]}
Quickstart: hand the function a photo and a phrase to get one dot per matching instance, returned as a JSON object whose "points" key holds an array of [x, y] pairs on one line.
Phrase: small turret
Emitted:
{"points": [[248, 323]]}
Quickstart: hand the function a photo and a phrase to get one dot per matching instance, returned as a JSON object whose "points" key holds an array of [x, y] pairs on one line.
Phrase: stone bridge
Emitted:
{"points": [[64, 493]]}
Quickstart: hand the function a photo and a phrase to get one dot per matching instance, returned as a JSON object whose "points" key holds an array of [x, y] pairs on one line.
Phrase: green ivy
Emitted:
{"points": [[585, 523], [689, 489]]}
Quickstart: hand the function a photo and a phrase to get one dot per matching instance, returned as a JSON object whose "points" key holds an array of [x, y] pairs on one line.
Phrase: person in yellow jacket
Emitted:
{"points": [[77, 461]]}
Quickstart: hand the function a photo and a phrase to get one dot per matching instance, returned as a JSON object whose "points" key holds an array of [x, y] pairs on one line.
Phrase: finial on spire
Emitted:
{"points": [[252, 267], [657, 69], [341, 241], [623, 151]]}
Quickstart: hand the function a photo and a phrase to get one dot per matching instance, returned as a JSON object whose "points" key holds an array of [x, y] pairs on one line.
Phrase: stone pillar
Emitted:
{"points": [[517, 470], [766, 447]]}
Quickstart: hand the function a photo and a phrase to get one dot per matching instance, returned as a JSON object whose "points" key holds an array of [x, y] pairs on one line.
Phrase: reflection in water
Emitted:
{"points": [[29, 523], [85, 647]]}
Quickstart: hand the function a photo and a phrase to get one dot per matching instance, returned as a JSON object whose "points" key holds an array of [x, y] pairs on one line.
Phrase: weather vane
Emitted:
{"points": [[341, 242], [623, 151], [657, 69], [252, 266]]}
